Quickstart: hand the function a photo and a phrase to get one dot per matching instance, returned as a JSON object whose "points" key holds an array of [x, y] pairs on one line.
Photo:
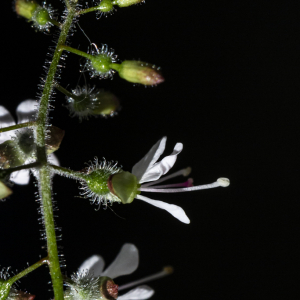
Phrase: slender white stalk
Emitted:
{"points": [[220, 182], [184, 172], [166, 271], [188, 183]]}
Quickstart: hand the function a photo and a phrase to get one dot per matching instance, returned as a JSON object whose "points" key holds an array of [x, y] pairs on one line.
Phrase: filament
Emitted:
{"points": [[184, 172], [166, 271], [220, 182]]}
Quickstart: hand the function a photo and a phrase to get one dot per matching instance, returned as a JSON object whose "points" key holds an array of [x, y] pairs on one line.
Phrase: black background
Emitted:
{"points": [[231, 97]]}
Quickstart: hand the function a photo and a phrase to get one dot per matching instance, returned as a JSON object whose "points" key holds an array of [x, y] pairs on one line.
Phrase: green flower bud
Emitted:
{"points": [[4, 193], [107, 104], [125, 3], [125, 185], [138, 72], [105, 6], [26, 8], [84, 102]]}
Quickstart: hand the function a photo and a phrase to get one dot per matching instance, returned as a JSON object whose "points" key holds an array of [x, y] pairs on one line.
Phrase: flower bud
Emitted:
{"points": [[139, 72], [54, 139], [124, 185], [26, 8], [4, 193], [125, 3], [106, 104], [85, 101]]}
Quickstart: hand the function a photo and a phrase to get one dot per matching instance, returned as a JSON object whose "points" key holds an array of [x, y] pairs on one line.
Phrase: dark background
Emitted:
{"points": [[231, 97]]}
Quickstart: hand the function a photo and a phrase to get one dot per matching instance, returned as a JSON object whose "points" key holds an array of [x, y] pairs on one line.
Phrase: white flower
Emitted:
{"points": [[149, 170], [125, 263], [26, 111]]}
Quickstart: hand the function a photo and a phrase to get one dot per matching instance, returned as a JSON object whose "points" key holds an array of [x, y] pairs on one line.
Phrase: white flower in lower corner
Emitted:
{"points": [[92, 282], [22, 139]]}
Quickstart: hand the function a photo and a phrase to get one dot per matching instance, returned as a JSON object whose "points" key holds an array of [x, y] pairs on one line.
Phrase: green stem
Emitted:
{"points": [[55, 23], [67, 172], [23, 167], [64, 91], [115, 66], [87, 10], [44, 172], [76, 51], [17, 126], [28, 270]]}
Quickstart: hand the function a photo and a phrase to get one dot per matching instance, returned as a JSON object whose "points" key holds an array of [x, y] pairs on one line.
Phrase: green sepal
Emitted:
{"points": [[101, 63], [105, 6], [11, 155], [125, 186], [42, 17]]}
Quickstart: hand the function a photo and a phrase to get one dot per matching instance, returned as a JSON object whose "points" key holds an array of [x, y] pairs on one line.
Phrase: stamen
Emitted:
{"points": [[188, 183], [184, 172], [166, 271], [224, 182]]}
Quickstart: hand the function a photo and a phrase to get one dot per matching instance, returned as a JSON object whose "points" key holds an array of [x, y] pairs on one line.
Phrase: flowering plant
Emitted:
{"points": [[28, 146]]}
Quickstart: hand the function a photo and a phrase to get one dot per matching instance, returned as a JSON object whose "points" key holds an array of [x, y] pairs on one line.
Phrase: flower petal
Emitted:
{"points": [[149, 159], [6, 120], [140, 293], [94, 265], [26, 111], [174, 210], [163, 166], [52, 159], [125, 263], [21, 177]]}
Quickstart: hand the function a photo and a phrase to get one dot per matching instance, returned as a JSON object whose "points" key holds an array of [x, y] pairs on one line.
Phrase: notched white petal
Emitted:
{"points": [[162, 167], [26, 111], [94, 265], [149, 159], [125, 263], [21, 177], [139, 293], [174, 210]]}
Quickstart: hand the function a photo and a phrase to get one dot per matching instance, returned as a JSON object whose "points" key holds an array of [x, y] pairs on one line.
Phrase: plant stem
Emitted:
{"points": [[17, 126], [44, 172], [67, 172], [28, 270], [22, 167], [76, 51], [55, 23], [87, 10], [64, 91]]}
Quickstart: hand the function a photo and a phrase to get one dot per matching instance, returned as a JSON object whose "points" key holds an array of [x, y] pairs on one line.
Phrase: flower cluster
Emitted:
{"points": [[17, 147]]}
